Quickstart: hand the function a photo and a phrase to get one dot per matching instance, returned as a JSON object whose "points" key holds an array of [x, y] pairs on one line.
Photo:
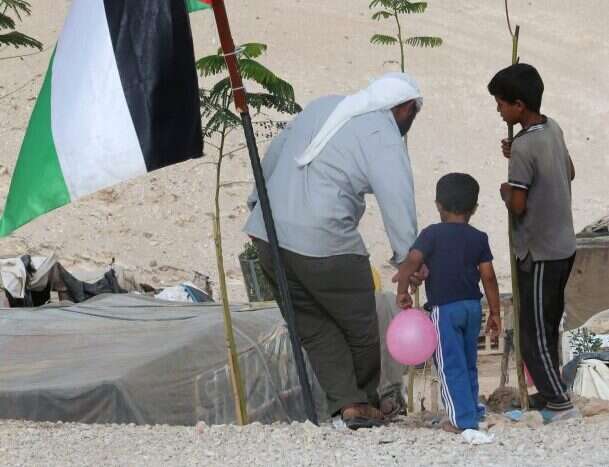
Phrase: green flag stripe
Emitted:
{"points": [[196, 5], [37, 185]]}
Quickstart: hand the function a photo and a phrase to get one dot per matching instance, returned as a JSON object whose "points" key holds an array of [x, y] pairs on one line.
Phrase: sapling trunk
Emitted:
{"points": [[233, 357]]}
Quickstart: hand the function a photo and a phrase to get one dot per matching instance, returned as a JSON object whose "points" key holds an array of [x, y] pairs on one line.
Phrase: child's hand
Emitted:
{"points": [[418, 277], [403, 300], [493, 325], [506, 148]]}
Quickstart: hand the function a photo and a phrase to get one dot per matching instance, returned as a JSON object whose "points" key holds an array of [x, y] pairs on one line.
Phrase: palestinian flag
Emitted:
{"points": [[120, 98], [196, 5]]}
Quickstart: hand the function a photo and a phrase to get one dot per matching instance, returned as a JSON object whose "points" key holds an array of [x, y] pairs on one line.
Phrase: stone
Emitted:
{"points": [[503, 399], [594, 407], [201, 427], [532, 419], [494, 419]]}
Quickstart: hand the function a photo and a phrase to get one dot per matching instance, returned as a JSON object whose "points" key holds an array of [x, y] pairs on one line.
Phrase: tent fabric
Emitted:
{"points": [[569, 371], [125, 358], [587, 293], [128, 358], [592, 380]]}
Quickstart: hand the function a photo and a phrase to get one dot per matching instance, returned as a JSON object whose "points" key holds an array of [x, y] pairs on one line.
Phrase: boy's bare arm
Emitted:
{"points": [[412, 264], [515, 199], [491, 290]]}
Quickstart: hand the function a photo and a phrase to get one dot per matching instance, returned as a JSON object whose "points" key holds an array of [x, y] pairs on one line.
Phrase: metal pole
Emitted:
{"points": [[285, 301]]}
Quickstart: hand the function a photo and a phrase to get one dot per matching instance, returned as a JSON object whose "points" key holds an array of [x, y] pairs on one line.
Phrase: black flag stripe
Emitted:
{"points": [[154, 52]]}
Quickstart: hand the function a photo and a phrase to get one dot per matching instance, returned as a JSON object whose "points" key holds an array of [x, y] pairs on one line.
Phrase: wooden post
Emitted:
{"points": [[411, 369], [522, 385]]}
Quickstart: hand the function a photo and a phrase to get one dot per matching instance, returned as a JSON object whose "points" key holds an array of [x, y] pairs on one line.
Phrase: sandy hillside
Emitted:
{"points": [[160, 225]]}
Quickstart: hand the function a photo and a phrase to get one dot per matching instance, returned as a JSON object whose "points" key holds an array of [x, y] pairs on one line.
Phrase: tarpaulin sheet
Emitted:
{"points": [[126, 358]]}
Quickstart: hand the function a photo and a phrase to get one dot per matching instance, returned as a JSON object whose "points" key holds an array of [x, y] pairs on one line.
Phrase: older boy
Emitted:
{"points": [[538, 195], [458, 256]]}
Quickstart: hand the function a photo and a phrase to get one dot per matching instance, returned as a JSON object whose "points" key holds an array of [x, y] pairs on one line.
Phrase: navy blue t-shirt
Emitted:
{"points": [[452, 253]]}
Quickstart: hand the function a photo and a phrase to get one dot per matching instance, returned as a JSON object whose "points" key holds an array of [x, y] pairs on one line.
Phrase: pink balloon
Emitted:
{"points": [[411, 337]]}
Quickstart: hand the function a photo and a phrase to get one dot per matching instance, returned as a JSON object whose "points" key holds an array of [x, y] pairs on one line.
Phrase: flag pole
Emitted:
{"points": [[285, 302], [522, 384]]}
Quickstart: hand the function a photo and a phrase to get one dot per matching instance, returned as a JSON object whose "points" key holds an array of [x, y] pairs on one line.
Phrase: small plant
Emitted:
{"points": [[392, 10], [249, 251], [15, 38], [219, 121], [584, 340]]}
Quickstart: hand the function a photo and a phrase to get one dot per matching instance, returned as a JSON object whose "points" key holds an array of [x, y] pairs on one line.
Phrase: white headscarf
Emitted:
{"points": [[383, 93]]}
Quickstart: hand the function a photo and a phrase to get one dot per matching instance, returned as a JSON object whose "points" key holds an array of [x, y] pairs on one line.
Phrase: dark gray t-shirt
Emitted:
{"points": [[540, 164]]}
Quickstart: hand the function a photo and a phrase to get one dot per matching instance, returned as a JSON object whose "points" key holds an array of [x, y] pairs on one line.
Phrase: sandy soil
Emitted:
{"points": [[159, 225]]}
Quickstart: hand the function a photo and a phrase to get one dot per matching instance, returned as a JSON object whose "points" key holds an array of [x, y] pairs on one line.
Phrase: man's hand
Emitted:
{"points": [[493, 325], [506, 148]]}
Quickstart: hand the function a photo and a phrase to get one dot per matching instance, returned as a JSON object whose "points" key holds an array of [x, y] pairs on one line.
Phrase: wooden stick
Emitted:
{"points": [[522, 385], [411, 369]]}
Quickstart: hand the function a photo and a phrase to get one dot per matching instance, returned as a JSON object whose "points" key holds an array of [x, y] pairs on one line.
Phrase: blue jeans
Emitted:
{"points": [[458, 328]]}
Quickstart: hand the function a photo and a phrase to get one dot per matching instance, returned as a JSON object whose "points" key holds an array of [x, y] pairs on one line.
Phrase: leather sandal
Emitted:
{"points": [[358, 416]]}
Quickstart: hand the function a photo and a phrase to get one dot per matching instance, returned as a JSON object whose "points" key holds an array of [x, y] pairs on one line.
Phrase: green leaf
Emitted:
{"points": [[269, 101], [18, 6], [248, 50], [382, 15], [384, 3], [220, 90], [214, 64], [17, 39], [216, 101], [211, 65], [255, 71], [223, 118], [252, 49], [381, 39], [405, 7], [424, 41], [6, 22]]}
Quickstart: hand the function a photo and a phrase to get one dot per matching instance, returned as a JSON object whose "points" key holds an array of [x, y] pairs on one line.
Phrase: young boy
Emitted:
{"points": [[538, 197], [457, 256]]}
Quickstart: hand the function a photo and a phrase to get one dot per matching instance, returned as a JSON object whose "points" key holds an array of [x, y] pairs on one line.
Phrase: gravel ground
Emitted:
{"points": [[582, 442]]}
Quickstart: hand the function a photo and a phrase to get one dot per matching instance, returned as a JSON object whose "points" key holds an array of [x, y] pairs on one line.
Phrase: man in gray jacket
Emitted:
{"points": [[318, 171]]}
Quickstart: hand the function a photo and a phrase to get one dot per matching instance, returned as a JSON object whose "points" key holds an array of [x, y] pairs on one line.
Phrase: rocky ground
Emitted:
{"points": [[583, 442]]}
